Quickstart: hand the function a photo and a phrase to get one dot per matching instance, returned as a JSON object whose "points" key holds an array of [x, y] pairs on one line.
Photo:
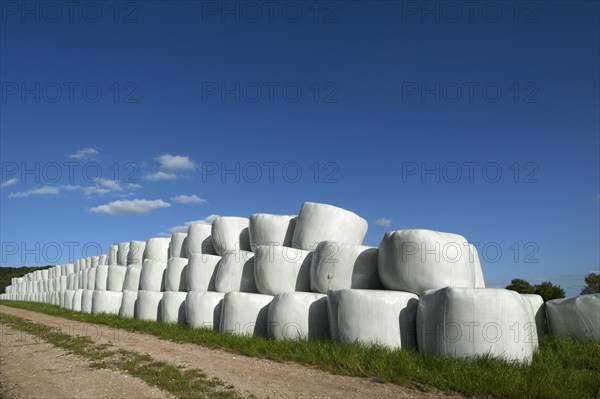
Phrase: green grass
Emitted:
{"points": [[191, 383], [562, 368]]}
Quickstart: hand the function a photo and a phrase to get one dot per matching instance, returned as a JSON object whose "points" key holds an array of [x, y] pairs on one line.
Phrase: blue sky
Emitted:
{"points": [[479, 120]]}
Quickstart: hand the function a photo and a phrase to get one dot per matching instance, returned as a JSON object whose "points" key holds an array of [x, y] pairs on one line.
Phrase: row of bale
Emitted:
{"points": [[309, 277]]}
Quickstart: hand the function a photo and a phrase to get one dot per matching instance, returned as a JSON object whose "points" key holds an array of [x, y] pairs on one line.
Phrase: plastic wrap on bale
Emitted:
{"points": [[282, 269], [337, 266]]}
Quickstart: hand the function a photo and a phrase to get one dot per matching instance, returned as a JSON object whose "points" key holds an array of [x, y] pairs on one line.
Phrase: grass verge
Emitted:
{"points": [[190, 383], [562, 368]]}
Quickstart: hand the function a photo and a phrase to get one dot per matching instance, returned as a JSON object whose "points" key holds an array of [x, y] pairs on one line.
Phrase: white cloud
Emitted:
{"points": [[383, 222], [85, 153], [128, 207], [45, 190], [184, 228], [161, 176], [176, 162], [188, 199], [9, 182]]}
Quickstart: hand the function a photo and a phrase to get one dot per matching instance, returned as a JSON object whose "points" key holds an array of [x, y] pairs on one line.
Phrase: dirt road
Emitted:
{"points": [[250, 376]]}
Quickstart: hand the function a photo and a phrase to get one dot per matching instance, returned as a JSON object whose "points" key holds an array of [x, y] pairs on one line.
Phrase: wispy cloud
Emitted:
{"points": [[160, 175], [129, 207], [176, 162], [383, 222], [9, 182], [45, 190], [188, 199], [85, 153], [184, 228]]}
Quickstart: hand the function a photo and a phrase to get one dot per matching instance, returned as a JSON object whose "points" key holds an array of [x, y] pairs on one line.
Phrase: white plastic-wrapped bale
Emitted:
{"points": [[173, 307], [199, 240], [298, 315], [377, 317], [321, 222], [63, 283], [84, 278], [578, 317], [419, 260], [202, 272], [245, 313], [152, 277], [282, 269], [236, 272], [112, 255], [469, 322], [91, 278], [479, 280], [70, 268], [101, 278], [157, 249], [175, 275], [106, 302], [148, 306], [135, 255], [230, 233], [128, 304], [337, 266], [203, 309], [132, 278], [68, 299], [539, 312], [77, 297], [116, 278], [177, 247], [266, 229], [70, 281], [86, 301], [122, 253], [103, 259], [95, 261]]}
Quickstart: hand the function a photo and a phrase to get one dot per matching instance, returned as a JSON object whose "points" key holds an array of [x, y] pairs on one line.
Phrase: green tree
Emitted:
{"points": [[592, 284], [521, 286], [549, 291]]}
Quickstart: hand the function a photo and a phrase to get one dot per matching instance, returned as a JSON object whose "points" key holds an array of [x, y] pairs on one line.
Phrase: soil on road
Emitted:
{"points": [[250, 376]]}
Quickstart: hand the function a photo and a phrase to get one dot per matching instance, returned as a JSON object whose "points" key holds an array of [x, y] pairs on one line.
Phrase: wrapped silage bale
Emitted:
{"points": [[112, 255], [539, 312], [178, 245], [337, 266], [377, 317], [122, 253], [135, 255], [267, 229], [116, 278], [45, 274], [468, 322], [199, 240], [70, 268], [236, 272], [298, 315], [86, 301], [230, 233], [577, 317], [479, 280], [282, 269], [418, 260], [88, 262], [95, 261], [245, 314], [106, 302], [77, 297], [202, 272], [152, 277], [128, 304], [132, 278], [71, 281], [157, 249], [321, 222], [84, 278], [173, 307], [148, 306], [203, 309], [63, 283], [101, 278], [175, 275], [103, 260], [91, 278]]}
